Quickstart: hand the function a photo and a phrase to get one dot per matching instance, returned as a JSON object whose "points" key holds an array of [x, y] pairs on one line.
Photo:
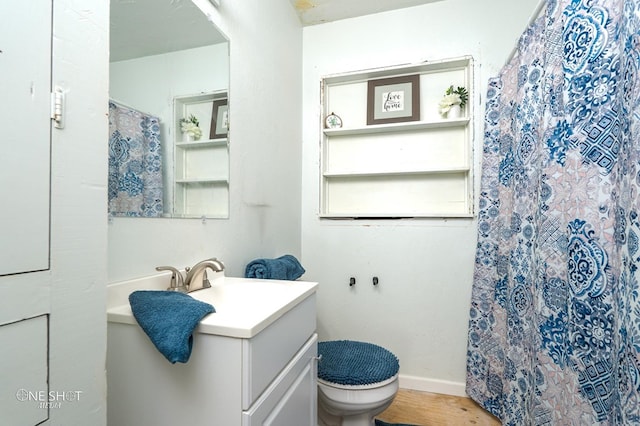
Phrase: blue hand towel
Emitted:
{"points": [[169, 318], [285, 267]]}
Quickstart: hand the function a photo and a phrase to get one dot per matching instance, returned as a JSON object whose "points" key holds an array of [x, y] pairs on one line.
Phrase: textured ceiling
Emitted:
{"points": [[151, 27], [313, 12]]}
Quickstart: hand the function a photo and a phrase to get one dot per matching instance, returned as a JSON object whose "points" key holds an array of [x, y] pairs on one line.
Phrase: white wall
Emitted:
{"points": [[265, 149], [77, 334], [150, 83], [420, 308]]}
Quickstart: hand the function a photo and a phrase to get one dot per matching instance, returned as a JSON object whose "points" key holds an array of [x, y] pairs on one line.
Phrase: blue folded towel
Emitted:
{"points": [[285, 267], [169, 318]]}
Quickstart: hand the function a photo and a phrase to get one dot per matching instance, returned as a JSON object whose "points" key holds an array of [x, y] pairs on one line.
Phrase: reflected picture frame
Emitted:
{"points": [[393, 100], [219, 119]]}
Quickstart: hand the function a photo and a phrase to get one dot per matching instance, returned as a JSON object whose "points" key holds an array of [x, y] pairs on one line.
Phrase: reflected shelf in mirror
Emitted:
{"points": [[179, 52]]}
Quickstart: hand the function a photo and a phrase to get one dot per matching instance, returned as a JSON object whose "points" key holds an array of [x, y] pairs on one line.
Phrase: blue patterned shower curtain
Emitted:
{"points": [[135, 163], [554, 335]]}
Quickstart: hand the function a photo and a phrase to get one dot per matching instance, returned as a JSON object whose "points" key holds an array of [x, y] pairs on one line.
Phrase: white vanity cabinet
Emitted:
{"points": [[291, 398], [260, 376]]}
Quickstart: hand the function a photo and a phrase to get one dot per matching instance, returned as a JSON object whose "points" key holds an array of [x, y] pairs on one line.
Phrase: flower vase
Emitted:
{"points": [[187, 137], [454, 112]]}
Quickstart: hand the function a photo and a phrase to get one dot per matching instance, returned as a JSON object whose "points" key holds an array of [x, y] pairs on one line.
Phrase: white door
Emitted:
{"points": [[25, 87]]}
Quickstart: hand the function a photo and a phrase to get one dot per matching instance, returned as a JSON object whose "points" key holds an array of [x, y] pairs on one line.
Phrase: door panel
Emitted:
{"points": [[25, 64], [24, 394]]}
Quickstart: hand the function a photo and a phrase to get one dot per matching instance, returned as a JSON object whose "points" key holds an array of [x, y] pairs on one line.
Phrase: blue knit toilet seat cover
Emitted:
{"points": [[347, 362]]}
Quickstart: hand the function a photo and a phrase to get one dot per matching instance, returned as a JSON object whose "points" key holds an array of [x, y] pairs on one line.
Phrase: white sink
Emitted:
{"points": [[244, 306]]}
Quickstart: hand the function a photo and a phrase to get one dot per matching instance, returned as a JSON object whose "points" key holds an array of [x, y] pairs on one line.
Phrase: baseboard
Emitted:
{"points": [[432, 385]]}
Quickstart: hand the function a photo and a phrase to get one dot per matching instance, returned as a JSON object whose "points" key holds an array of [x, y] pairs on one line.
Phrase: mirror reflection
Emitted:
{"points": [[168, 112]]}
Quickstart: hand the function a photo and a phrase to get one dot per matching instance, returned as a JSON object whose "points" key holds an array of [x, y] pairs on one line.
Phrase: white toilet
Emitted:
{"points": [[356, 382]]}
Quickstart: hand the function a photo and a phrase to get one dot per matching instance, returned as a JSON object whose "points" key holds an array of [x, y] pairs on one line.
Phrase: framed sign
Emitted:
{"points": [[219, 120], [393, 100]]}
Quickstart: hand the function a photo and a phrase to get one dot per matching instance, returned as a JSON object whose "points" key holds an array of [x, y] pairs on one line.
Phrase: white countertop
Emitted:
{"points": [[244, 306]]}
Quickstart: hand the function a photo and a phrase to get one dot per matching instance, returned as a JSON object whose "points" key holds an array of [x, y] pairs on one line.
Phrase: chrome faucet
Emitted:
{"points": [[177, 281], [196, 278]]}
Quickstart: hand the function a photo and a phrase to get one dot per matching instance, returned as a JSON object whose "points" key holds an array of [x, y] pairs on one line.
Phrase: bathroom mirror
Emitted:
{"points": [[168, 62]]}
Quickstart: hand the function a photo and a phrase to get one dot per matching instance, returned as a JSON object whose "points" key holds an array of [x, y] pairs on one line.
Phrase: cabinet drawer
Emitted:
{"points": [[292, 398], [266, 355]]}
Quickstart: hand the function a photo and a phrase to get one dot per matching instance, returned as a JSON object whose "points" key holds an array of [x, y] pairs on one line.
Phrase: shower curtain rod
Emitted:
{"points": [[122, 104], [534, 16]]}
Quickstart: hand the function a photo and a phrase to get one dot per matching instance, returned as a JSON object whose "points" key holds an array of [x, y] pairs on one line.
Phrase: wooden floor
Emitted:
{"points": [[430, 409]]}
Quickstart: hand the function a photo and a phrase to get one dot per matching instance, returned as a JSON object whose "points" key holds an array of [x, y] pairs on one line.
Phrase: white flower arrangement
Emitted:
{"points": [[190, 126], [452, 97]]}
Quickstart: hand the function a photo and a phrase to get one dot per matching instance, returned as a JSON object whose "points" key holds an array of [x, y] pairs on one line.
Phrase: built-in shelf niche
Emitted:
{"points": [[201, 167], [410, 169]]}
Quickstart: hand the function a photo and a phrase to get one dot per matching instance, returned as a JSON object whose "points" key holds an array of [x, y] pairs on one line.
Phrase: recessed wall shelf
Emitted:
{"points": [[405, 127], [203, 180], [408, 169], [201, 174], [394, 172], [202, 143]]}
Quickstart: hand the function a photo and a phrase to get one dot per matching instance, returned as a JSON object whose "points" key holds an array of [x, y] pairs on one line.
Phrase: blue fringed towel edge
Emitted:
{"points": [[169, 319]]}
